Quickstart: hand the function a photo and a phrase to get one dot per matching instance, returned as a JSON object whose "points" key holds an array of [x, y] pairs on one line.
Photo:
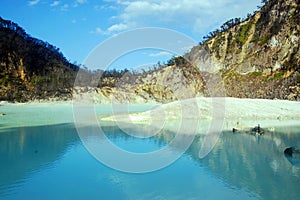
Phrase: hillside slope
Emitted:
{"points": [[30, 68], [259, 57]]}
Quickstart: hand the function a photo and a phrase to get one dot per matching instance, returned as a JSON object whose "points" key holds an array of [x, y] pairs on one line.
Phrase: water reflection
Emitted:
{"points": [[255, 163], [243, 162], [27, 149]]}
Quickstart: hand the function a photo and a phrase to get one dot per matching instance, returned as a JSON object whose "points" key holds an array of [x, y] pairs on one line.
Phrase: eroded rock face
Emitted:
{"points": [[257, 58], [267, 41], [260, 57], [165, 85]]}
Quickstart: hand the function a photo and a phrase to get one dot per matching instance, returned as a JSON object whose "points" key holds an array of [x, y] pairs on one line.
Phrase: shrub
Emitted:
{"points": [[256, 74], [278, 75], [244, 32]]}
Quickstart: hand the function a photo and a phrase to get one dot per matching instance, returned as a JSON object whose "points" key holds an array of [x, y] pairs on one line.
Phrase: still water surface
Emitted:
{"points": [[50, 162]]}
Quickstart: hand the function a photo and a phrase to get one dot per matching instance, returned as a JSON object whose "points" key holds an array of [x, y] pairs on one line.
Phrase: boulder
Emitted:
{"points": [[293, 152], [293, 155], [257, 130]]}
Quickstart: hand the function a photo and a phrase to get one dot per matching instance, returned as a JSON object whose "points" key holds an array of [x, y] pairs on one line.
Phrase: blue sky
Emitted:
{"points": [[78, 26]]}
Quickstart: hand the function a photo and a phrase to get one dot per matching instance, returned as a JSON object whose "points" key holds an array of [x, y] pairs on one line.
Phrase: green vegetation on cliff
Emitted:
{"points": [[31, 68], [259, 55]]}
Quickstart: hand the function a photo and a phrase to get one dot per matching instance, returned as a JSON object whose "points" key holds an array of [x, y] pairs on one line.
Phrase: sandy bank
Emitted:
{"points": [[231, 112]]}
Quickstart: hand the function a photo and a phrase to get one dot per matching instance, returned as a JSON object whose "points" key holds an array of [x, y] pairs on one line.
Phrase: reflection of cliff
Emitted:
{"points": [[245, 162], [255, 163], [24, 150]]}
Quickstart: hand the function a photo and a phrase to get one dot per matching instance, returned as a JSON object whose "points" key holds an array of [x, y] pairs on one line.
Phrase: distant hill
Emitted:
{"points": [[31, 68]]}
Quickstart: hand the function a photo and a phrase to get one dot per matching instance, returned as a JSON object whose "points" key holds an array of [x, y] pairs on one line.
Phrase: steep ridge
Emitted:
{"points": [[31, 68], [259, 57]]}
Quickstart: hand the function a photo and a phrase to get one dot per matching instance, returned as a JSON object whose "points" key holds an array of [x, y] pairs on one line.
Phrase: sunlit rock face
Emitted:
{"points": [[257, 57]]}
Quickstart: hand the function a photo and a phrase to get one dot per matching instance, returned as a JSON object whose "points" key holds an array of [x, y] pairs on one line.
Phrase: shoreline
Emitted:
{"points": [[70, 101], [241, 114], [238, 113]]}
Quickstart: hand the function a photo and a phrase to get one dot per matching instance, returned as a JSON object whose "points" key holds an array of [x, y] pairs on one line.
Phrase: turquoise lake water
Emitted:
{"points": [[48, 161]]}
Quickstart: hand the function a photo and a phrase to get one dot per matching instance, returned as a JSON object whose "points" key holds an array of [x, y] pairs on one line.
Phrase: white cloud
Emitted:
{"points": [[33, 2], [117, 28], [160, 54], [196, 15], [98, 31], [55, 3]]}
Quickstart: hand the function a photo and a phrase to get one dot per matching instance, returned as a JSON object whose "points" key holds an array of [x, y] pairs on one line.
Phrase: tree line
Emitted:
{"points": [[29, 67], [232, 23]]}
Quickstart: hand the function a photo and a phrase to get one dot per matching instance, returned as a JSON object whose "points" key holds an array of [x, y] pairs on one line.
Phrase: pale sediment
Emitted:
{"points": [[230, 112]]}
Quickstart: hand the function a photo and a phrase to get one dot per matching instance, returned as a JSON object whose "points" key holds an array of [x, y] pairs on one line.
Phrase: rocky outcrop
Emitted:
{"points": [[259, 57], [168, 84], [30, 68]]}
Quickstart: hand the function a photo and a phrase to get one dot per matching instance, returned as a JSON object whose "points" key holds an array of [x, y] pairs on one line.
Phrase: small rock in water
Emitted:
{"points": [[293, 155], [2, 114], [293, 152], [257, 130], [234, 130]]}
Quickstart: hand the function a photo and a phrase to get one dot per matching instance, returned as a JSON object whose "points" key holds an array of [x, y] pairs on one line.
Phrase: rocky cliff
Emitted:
{"points": [[260, 56], [31, 68], [170, 83]]}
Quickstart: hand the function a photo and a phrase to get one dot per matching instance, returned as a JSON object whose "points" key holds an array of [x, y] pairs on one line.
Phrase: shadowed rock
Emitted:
{"points": [[293, 155], [257, 130], [293, 152]]}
